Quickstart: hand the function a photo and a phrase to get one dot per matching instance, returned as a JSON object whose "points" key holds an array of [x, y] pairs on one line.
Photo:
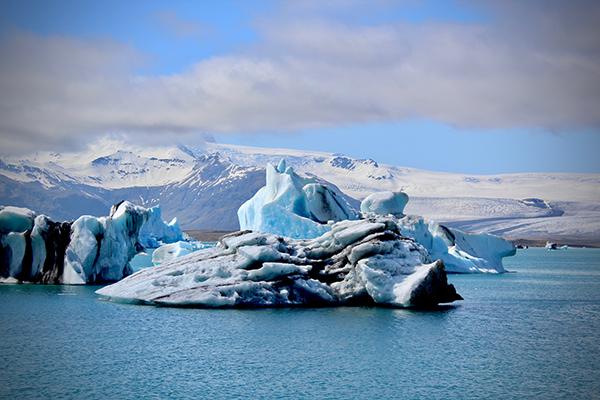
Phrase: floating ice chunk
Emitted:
{"points": [[15, 219], [119, 242], [294, 206], [461, 252], [82, 253], [372, 263], [155, 231], [384, 203]]}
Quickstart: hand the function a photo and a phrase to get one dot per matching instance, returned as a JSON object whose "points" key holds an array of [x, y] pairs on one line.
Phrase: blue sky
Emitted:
{"points": [[452, 86]]}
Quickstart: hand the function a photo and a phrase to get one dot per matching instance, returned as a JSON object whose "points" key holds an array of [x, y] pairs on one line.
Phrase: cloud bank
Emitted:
{"points": [[526, 65]]}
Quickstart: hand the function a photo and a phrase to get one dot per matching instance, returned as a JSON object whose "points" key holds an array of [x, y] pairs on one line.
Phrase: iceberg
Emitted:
{"points": [[15, 219], [356, 262], [155, 232], [101, 248], [294, 206], [384, 203], [33, 248], [461, 252]]}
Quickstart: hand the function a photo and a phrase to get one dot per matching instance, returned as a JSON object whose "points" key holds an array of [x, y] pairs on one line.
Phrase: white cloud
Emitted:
{"points": [[521, 69]]}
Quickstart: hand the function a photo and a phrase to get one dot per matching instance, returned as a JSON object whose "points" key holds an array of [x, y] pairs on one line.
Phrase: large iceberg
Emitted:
{"points": [[294, 206], [297, 207], [88, 250], [365, 261]]}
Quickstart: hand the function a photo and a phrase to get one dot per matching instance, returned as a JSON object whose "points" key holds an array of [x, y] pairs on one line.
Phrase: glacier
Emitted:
{"points": [[294, 206], [365, 261], [33, 248]]}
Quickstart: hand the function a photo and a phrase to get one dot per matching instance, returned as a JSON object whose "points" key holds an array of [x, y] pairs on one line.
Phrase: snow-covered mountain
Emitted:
{"points": [[204, 190], [204, 186]]}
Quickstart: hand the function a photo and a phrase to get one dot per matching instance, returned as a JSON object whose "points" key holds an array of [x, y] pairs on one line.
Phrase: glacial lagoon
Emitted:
{"points": [[534, 333]]}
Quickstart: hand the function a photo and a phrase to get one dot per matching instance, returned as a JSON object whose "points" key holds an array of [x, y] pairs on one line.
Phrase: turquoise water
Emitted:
{"points": [[530, 334]]}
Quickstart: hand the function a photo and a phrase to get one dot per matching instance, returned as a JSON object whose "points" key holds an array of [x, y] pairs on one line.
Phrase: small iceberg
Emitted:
{"points": [[554, 246], [385, 203]]}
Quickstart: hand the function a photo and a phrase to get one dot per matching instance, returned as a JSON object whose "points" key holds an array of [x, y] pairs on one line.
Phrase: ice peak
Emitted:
{"points": [[294, 206], [281, 167]]}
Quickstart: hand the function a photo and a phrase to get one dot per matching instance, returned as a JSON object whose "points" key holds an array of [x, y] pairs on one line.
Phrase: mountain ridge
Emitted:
{"points": [[203, 186]]}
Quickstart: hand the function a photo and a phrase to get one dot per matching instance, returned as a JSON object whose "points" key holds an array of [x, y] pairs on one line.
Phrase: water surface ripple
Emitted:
{"points": [[531, 334]]}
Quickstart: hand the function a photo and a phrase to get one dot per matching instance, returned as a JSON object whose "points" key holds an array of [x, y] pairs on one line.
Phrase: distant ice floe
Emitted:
{"points": [[33, 248], [365, 261]]}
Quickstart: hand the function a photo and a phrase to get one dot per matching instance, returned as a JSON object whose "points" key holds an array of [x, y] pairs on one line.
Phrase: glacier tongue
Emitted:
{"points": [[294, 206], [356, 262]]}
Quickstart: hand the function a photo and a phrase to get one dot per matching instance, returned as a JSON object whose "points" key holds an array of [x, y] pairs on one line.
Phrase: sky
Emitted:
{"points": [[460, 86]]}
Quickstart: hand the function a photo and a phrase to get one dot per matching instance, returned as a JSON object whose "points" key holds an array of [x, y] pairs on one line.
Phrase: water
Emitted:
{"points": [[531, 334]]}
